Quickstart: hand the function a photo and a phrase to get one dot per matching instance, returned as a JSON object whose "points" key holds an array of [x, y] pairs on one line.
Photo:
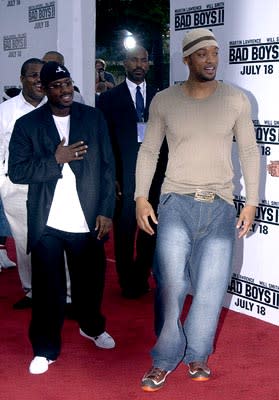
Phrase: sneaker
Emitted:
{"points": [[154, 379], [5, 262], [199, 371], [104, 341], [25, 302], [39, 365]]}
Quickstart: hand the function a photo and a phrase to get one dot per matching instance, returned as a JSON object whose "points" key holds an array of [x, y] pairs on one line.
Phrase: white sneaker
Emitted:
{"points": [[39, 365], [5, 262], [104, 341]]}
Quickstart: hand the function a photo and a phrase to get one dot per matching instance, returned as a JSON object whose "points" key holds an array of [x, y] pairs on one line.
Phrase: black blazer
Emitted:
{"points": [[31, 161], [120, 113]]}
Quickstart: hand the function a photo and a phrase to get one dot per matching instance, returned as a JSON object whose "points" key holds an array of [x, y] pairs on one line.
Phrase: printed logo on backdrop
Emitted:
{"points": [[267, 135], [13, 3], [254, 297], [41, 14], [210, 15], [258, 56], [14, 44]]}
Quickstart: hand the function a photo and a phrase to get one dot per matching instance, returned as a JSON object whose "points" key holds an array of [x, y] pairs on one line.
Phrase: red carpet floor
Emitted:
{"points": [[244, 365]]}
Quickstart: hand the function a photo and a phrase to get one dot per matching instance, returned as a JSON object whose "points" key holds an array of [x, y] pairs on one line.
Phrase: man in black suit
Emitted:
{"points": [[63, 152], [126, 123]]}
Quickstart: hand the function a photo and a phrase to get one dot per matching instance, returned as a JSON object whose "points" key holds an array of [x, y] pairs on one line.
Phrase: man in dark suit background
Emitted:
{"points": [[63, 152], [126, 117]]}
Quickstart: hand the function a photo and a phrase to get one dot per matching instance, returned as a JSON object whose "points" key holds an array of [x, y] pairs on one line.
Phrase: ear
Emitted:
{"points": [[185, 60]]}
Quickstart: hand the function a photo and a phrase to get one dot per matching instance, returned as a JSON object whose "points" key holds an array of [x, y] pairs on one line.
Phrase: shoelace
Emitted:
{"points": [[155, 373]]}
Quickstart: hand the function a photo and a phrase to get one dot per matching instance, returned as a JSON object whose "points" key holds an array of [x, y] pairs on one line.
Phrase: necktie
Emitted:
{"points": [[139, 104]]}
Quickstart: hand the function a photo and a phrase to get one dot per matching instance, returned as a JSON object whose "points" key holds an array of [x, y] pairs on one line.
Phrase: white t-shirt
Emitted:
{"points": [[66, 213]]}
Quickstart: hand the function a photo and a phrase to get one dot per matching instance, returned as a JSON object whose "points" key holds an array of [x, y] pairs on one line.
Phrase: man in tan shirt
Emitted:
{"points": [[196, 214]]}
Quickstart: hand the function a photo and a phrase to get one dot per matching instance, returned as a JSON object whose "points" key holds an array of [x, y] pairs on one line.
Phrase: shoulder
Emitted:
{"points": [[80, 110], [230, 89], [35, 115], [170, 94], [233, 94], [114, 93], [121, 88], [11, 103], [172, 90]]}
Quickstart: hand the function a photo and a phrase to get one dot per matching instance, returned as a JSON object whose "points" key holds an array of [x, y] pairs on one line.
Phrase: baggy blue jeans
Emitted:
{"points": [[194, 252]]}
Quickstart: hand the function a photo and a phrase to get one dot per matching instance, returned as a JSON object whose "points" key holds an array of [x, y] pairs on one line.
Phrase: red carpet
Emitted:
{"points": [[244, 365]]}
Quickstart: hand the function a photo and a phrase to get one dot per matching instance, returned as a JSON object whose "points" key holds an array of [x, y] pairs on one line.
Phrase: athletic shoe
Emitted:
{"points": [[154, 379], [5, 262], [199, 371], [39, 365], [104, 341], [25, 302]]}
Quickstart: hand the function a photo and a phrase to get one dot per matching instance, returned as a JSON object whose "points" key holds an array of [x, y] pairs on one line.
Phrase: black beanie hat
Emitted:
{"points": [[52, 71]]}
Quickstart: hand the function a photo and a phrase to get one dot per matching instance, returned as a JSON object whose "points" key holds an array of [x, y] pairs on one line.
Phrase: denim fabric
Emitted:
{"points": [[194, 251], [4, 224]]}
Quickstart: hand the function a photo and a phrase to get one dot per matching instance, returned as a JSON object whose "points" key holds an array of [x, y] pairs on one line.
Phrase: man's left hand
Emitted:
{"points": [[103, 225], [245, 220]]}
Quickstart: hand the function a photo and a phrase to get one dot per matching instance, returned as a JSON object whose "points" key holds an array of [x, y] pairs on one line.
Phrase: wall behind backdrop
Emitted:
{"points": [[248, 35], [29, 28]]}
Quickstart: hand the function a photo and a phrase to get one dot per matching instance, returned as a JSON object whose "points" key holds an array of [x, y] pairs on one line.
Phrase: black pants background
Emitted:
{"points": [[86, 264], [133, 272]]}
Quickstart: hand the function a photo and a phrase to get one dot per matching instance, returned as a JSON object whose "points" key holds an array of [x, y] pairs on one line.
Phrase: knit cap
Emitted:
{"points": [[196, 39], [52, 71]]}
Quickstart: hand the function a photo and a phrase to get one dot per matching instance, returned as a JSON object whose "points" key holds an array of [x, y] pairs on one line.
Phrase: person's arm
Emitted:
{"points": [[146, 165], [4, 141], [107, 170], [250, 164], [31, 162], [107, 191], [109, 80], [144, 211], [25, 166], [245, 220]]}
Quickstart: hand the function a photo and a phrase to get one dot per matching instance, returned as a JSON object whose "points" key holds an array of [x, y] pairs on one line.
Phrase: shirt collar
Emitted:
{"points": [[132, 86], [22, 98]]}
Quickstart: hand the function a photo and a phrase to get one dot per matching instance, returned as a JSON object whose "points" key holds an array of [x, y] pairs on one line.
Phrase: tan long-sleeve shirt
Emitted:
{"points": [[200, 133]]}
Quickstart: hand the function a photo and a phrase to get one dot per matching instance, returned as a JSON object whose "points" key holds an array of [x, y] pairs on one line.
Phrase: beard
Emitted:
{"points": [[204, 78]]}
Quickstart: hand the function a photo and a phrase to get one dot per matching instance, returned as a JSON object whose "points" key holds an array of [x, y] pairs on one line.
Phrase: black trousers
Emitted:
{"points": [[133, 269], [86, 264]]}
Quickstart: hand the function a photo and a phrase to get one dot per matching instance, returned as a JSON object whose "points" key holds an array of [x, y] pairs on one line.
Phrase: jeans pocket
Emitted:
{"points": [[165, 198]]}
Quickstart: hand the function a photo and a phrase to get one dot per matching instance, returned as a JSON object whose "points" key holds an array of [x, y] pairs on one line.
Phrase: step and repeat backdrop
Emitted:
{"points": [[248, 35], [26, 29], [29, 28]]}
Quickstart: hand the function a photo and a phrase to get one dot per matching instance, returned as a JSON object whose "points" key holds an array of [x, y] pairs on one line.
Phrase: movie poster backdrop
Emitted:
{"points": [[29, 28]]}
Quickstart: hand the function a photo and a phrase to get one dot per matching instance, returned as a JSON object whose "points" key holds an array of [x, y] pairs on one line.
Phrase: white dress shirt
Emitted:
{"points": [[10, 111], [133, 89]]}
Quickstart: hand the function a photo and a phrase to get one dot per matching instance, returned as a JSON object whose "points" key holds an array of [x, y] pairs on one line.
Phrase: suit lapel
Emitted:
{"points": [[130, 103], [52, 138], [75, 124]]}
